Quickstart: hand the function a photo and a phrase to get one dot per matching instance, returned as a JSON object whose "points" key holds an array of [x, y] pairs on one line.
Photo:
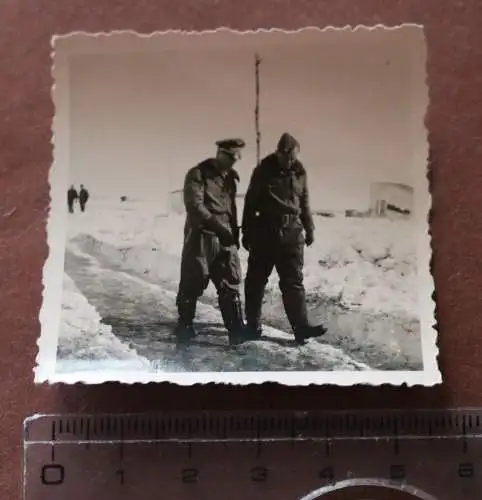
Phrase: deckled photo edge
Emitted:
{"points": [[231, 31], [426, 282], [53, 270], [47, 341]]}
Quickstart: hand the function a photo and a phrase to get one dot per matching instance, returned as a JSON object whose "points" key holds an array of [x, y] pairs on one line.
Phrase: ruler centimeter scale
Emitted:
{"points": [[426, 454]]}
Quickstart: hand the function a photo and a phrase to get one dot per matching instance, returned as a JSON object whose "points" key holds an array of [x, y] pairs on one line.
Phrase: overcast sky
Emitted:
{"points": [[355, 101]]}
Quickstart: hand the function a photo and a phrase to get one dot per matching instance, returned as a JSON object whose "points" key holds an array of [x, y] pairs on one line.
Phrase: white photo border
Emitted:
{"points": [[50, 311]]}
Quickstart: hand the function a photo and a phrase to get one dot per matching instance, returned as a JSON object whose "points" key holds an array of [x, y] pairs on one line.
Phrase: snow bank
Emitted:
{"points": [[360, 275], [369, 264], [84, 338]]}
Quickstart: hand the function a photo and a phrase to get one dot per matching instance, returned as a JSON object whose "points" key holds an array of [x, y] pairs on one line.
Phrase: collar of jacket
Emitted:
{"points": [[211, 164], [297, 167]]}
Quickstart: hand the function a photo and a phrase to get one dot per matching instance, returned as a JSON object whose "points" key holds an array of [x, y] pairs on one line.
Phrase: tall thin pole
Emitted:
{"points": [[256, 111]]}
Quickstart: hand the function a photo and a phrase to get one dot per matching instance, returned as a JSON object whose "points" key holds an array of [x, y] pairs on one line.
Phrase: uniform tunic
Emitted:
{"points": [[276, 214], [209, 195]]}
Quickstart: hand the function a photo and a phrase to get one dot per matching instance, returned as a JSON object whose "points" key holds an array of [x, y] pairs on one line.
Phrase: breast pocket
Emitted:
{"points": [[279, 188]]}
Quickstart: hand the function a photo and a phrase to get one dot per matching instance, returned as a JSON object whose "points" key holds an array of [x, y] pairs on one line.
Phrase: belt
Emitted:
{"points": [[283, 219]]}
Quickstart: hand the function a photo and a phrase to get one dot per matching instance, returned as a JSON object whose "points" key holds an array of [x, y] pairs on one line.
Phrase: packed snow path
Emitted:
{"points": [[383, 340], [143, 315]]}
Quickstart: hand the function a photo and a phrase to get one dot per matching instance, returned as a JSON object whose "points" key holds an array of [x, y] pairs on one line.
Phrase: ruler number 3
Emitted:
{"points": [[190, 476]]}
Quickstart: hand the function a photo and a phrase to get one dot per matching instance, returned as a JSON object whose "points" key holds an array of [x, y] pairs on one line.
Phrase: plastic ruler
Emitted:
{"points": [[426, 454]]}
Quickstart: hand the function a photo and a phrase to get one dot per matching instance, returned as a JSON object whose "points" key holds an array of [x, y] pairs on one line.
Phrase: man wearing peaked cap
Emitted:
{"points": [[231, 146], [277, 223], [211, 241]]}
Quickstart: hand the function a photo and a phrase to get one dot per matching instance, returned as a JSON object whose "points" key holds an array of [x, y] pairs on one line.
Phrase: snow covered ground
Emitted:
{"points": [[84, 338], [360, 274], [142, 314]]}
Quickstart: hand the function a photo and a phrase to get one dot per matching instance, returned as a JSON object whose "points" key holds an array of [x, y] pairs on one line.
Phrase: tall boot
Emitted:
{"points": [[253, 304], [232, 313], [185, 328], [294, 303]]}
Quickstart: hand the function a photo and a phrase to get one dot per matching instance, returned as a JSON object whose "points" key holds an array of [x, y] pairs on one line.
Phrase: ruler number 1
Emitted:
{"points": [[120, 474]]}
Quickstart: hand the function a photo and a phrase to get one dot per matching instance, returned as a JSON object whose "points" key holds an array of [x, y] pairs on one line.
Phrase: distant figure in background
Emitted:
{"points": [[72, 195], [211, 241], [276, 213], [83, 197]]}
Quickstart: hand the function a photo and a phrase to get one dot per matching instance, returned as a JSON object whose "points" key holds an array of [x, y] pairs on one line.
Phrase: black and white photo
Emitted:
{"points": [[240, 208]]}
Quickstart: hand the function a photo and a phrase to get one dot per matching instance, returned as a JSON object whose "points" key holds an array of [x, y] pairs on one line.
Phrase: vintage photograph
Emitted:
{"points": [[240, 208]]}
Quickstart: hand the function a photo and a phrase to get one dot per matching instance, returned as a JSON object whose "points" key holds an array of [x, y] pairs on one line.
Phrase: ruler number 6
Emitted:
{"points": [[328, 474]]}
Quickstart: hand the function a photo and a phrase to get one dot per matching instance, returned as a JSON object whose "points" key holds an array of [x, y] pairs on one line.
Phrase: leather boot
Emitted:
{"points": [[296, 310], [253, 306], [185, 330], [232, 313]]}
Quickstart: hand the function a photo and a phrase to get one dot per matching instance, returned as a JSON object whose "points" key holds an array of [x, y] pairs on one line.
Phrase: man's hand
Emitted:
{"points": [[224, 234], [309, 238], [225, 237]]}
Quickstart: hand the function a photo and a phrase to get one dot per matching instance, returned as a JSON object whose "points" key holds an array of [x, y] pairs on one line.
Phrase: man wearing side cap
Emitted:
{"points": [[211, 241], [277, 223]]}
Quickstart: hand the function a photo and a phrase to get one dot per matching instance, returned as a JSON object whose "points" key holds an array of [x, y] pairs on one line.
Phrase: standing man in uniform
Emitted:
{"points": [[211, 241], [277, 223], [72, 195], [83, 197]]}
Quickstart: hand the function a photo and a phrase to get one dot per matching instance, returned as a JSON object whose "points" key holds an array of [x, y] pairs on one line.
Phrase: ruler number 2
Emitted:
{"points": [[466, 470]]}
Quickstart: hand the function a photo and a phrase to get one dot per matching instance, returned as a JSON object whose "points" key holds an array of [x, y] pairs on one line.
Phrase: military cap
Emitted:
{"points": [[228, 144], [287, 143]]}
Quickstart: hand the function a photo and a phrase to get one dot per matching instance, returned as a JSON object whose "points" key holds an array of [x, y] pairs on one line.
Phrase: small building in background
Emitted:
{"points": [[386, 197]]}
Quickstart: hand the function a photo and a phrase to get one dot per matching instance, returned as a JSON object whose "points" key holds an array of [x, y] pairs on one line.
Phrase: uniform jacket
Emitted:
{"points": [[274, 192], [83, 195], [210, 194]]}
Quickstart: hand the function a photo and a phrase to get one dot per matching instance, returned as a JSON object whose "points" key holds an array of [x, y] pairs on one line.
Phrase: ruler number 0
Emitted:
{"points": [[52, 474]]}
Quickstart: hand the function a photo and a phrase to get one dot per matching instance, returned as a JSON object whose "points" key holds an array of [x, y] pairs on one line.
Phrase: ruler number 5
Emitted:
{"points": [[259, 474]]}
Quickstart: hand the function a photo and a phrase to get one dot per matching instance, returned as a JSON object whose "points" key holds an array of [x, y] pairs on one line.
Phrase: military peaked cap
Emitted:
{"points": [[230, 144]]}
